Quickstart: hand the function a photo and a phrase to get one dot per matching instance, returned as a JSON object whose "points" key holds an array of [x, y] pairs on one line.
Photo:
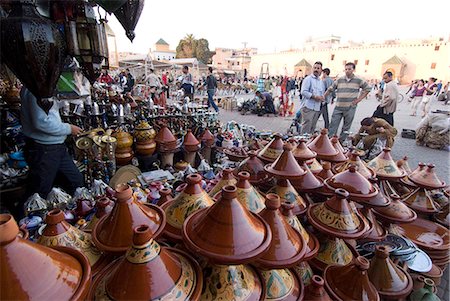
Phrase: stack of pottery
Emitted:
{"points": [[191, 199], [228, 236], [149, 271], [166, 144], [396, 212], [123, 152], [31, 271], [191, 146], [144, 136], [113, 233], [272, 150], [255, 167], [208, 140], [224, 178]]}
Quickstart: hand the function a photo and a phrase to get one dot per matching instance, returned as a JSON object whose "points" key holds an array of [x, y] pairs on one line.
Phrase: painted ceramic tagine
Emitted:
{"points": [[144, 136], [114, 232], [32, 271], [225, 178], [149, 272], [350, 282], [395, 212], [385, 167], [403, 164], [323, 147], [391, 281], [247, 194], [326, 172], [191, 199], [426, 178], [316, 291], [272, 150], [282, 284], [308, 182], [255, 167], [103, 206], [285, 166], [358, 163], [302, 153], [421, 201], [289, 194]]}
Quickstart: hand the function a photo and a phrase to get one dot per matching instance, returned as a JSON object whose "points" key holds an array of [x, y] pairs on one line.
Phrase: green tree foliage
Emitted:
{"points": [[189, 47]]}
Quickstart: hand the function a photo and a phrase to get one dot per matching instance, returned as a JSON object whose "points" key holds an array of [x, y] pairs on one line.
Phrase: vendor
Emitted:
{"points": [[45, 151], [267, 100], [375, 128]]}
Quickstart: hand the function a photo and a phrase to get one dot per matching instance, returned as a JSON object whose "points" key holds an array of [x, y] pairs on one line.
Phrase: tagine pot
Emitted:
{"points": [[103, 206], [272, 150], [308, 182], [282, 284], [391, 281], [190, 143], [143, 133], [114, 232], [149, 272], [302, 153], [225, 178], [285, 166], [421, 201], [166, 141], [247, 194], [326, 171], [403, 164], [226, 232], [338, 280], [378, 232], [340, 156], [191, 199], [314, 166], [385, 167], [427, 178], [289, 194], [426, 292], [165, 196], [123, 156], [255, 167], [355, 160], [315, 291], [207, 138], [395, 212], [32, 271], [323, 147]]}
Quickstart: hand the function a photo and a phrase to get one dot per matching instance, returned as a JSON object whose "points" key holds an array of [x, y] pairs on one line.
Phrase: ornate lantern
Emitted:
{"points": [[110, 5], [128, 15]]}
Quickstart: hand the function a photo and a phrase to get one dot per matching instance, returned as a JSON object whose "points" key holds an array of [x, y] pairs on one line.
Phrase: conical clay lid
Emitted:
{"points": [[389, 279], [350, 282], [287, 247], [255, 167], [272, 150], [378, 232], [285, 166], [287, 193], [385, 167], [395, 212], [248, 195], [421, 201], [102, 207], [332, 251], [427, 178], [149, 272], [226, 232], [190, 143], [207, 138], [403, 164], [282, 284], [326, 172], [114, 232], [340, 157], [227, 178], [302, 152], [308, 182], [360, 166], [323, 146], [316, 291], [32, 271], [314, 166], [165, 140]]}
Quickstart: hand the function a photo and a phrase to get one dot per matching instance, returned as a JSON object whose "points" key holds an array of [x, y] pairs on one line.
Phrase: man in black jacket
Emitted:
{"points": [[211, 86]]}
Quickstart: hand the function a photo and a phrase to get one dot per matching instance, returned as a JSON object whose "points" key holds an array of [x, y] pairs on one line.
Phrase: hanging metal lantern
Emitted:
{"points": [[128, 15], [32, 47], [87, 41], [110, 5]]}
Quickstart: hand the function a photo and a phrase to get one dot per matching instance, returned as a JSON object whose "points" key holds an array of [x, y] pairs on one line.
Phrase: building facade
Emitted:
{"points": [[162, 51], [233, 61]]}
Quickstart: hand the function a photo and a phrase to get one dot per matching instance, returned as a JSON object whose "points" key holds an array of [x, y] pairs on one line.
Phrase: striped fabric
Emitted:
{"points": [[348, 90]]}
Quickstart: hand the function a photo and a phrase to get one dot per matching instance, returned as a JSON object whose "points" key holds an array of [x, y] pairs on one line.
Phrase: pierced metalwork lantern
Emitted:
{"points": [[128, 15], [110, 5]]}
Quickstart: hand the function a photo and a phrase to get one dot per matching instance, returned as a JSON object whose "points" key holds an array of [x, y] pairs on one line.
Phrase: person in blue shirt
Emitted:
{"points": [[45, 151], [313, 90]]}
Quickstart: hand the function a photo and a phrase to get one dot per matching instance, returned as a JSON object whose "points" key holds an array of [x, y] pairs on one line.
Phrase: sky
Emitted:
{"points": [[273, 26]]}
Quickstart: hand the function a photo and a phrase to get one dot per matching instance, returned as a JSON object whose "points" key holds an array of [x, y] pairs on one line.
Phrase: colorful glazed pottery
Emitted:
{"points": [[395, 212], [421, 201], [31, 271], [385, 167], [350, 282], [255, 167], [425, 293], [288, 194], [226, 232], [225, 178], [332, 251], [285, 166], [314, 166], [166, 196], [403, 164], [443, 217], [305, 272], [315, 291], [391, 281], [358, 163], [247, 194], [272, 150], [323, 146], [282, 284], [302, 152], [149, 272], [114, 232], [378, 232], [143, 132], [191, 199], [427, 178]]}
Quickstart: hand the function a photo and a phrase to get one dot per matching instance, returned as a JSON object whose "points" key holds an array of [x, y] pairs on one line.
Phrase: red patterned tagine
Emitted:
{"points": [[114, 232], [272, 150], [350, 282], [191, 199], [282, 284], [226, 178], [323, 146], [285, 166], [149, 272], [226, 232], [31, 271]]}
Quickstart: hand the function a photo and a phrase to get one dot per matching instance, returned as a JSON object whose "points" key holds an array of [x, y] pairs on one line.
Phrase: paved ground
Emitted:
{"points": [[401, 147]]}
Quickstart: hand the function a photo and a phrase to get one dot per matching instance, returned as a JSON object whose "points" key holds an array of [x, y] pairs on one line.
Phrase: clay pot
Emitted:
{"points": [[272, 150], [190, 143], [166, 196], [403, 164], [308, 182], [312, 244], [255, 167], [379, 200], [304, 271], [146, 148], [316, 291], [191, 199], [114, 232], [285, 166], [391, 281], [287, 247], [123, 156], [226, 232], [102, 207], [323, 146], [143, 133], [337, 217], [166, 141], [282, 284], [149, 272], [83, 208], [302, 152], [337, 279], [207, 138], [326, 172], [427, 292], [385, 167], [332, 251], [314, 166], [249, 197], [434, 274], [427, 178], [378, 232], [287, 193], [340, 156], [421, 201], [395, 212], [359, 165], [124, 139], [29, 270], [225, 178], [443, 217]]}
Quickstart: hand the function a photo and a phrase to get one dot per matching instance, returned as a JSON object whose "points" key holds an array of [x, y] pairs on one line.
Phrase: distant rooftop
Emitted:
{"points": [[161, 42]]}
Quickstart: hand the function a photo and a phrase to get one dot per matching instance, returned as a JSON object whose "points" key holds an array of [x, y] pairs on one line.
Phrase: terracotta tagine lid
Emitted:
{"points": [[308, 182], [332, 251], [378, 232], [165, 140], [149, 272], [379, 200], [337, 217], [249, 197], [314, 166], [226, 232], [287, 193], [282, 284], [114, 232], [58, 232], [421, 201], [427, 178], [391, 281], [226, 178], [340, 156], [315, 291], [254, 166], [385, 167], [326, 171], [190, 143], [421, 166], [395, 212], [323, 146], [403, 164], [350, 282], [302, 152], [312, 244], [31, 271], [83, 208], [192, 198], [102, 207], [355, 160], [285, 166], [287, 247], [357, 186], [232, 282], [272, 150], [166, 196], [207, 138]]}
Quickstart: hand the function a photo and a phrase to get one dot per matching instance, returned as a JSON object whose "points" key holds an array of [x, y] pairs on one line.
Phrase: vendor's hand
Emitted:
{"points": [[75, 130], [355, 102]]}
